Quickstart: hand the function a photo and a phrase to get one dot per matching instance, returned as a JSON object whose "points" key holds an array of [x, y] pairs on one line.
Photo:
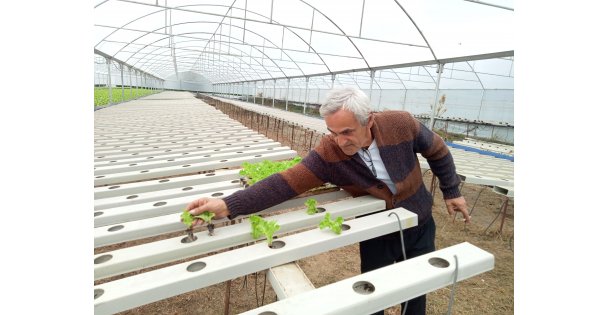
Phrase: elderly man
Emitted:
{"points": [[366, 153]]}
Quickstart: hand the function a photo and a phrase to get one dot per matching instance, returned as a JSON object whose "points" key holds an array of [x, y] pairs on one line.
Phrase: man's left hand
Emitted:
{"points": [[458, 205]]}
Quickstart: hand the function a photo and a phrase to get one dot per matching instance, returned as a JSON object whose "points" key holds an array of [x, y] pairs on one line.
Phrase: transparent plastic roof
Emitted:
{"points": [[248, 40]]}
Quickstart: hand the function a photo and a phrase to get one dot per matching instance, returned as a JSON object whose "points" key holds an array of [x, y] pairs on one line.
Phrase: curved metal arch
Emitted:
{"points": [[475, 72], [186, 41], [154, 31], [196, 53], [343, 33], [417, 28], [284, 27], [220, 23], [164, 47], [168, 35]]}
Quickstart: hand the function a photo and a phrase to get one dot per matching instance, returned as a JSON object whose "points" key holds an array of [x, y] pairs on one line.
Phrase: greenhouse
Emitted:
{"points": [[188, 94]]}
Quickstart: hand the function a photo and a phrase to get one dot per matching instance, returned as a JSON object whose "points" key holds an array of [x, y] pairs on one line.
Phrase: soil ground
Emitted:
{"points": [[489, 293]]}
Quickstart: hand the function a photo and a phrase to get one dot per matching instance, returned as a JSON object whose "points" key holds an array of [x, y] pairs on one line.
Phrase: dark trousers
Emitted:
{"points": [[386, 250]]}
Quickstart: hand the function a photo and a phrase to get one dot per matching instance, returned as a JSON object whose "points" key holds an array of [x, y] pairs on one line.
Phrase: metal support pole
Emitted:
{"points": [[287, 96], [122, 83], [371, 85], [274, 91], [306, 95], [109, 62], [439, 71], [255, 90], [333, 78], [263, 90], [483, 94], [130, 83], [404, 98]]}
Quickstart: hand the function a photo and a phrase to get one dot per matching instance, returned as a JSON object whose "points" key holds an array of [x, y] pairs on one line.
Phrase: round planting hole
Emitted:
{"points": [[277, 244], [102, 259], [144, 171], [223, 160], [132, 197], [228, 144], [123, 150], [171, 160], [187, 165], [364, 287], [268, 313], [113, 187], [158, 204], [115, 228], [132, 164], [167, 150], [196, 266], [319, 210], [99, 157], [150, 157], [98, 213], [186, 153], [259, 155], [189, 239], [235, 181], [210, 174], [247, 146], [217, 194], [439, 262], [345, 227], [98, 293], [163, 180], [216, 150], [187, 188], [99, 176], [134, 153], [112, 161], [239, 152]]}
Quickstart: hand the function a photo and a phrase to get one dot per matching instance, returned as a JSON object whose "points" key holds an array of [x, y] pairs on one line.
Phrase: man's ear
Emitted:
{"points": [[370, 121]]}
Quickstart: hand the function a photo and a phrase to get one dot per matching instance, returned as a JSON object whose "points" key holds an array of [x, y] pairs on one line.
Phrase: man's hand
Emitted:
{"points": [[458, 205], [217, 206]]}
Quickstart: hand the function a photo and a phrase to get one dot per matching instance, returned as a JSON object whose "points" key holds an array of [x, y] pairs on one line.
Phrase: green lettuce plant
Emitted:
{"points": [[188, 220], [261, 227], [258, 171], [311, 205], [334, 225]]}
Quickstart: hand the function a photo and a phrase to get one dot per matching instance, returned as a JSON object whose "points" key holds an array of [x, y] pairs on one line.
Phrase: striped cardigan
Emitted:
{"points": [[399, 137]]}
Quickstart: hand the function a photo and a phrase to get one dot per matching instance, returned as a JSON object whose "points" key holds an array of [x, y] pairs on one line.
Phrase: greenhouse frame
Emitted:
{"points": [[404, 56], [205, 99]]}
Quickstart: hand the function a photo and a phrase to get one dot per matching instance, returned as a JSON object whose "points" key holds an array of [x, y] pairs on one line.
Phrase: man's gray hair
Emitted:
{"points": [[349, 98]]}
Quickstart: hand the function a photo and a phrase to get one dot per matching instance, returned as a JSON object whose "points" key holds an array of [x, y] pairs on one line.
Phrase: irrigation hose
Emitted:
{"points": [[453, 286], [402, 250]]}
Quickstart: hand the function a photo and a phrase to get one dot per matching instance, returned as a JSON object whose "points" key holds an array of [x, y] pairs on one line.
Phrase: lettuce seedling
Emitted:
{"points": [[334, 225], [188, 220], [261, 227], [312, 206]]}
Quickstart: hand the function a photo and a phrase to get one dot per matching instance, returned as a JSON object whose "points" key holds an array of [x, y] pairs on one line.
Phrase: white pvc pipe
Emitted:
{"points": [[381, 288], [144, 288], [159, 252]]}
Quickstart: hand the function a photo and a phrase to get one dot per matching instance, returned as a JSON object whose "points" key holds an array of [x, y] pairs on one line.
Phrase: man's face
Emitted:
{"points": [[347, 132]]}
